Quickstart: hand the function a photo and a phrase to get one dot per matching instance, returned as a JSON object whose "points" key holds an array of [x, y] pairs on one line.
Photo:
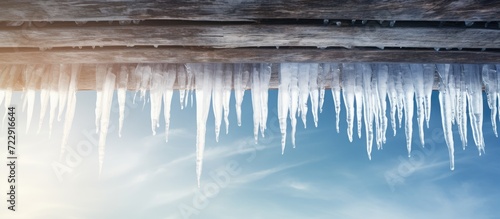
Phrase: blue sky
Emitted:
{"points": [[325, 176]]}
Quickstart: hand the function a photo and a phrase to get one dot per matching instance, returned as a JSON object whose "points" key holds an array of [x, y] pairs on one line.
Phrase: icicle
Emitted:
{"points": [[73, 70], [44, 95], [489, 76], [445, 106], [334, 70], [314, 91], [189, 86], [155, 94], [204, 77], [239, 90], [55, 71], [3, 78], [100, 75], [107, 99], [4, 74], [26, 75], [294, 98], [11, 76], [417, 74], [168, 91], [32, 78], [399, 91], [393, 96], [429, 70], [382, 75], [303, 91], [475, 99], [181, 83], [409, 93], [498, 84], [228, 83], [462, 107], [217, 97], [284, 101], [256, 101], [322, 84], [64, 81], [368, 103], [358, 94], [457, 89], [348, 85], [121, 91], [145, 81], [265, 77], [136, 80]]}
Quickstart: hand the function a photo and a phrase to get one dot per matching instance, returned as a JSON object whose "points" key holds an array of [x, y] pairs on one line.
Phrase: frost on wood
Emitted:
{"points": [[364, 89]]}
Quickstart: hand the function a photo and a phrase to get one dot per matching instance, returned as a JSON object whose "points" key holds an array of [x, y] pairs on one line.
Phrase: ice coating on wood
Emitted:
{"points": [[363, 86]]}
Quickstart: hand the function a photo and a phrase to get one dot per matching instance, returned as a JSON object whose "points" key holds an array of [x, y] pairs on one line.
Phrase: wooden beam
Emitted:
{"points": [[240, 55], [233, 36], [231, 10]]}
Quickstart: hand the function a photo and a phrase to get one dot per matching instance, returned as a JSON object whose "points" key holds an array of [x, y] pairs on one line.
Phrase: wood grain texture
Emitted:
{"points": [[237, 10], [240, 55], [233, 36]]}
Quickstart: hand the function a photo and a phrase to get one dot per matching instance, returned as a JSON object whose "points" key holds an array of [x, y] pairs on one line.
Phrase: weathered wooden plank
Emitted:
{"points": [[233, 36], [240, 55], [231, 10]]}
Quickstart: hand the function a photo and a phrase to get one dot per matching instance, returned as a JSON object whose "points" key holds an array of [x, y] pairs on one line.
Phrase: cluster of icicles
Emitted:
{"points": [[364, 88]]}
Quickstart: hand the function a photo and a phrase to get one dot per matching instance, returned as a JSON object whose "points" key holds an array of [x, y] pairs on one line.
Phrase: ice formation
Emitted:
{"points": [[364, 88]]}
